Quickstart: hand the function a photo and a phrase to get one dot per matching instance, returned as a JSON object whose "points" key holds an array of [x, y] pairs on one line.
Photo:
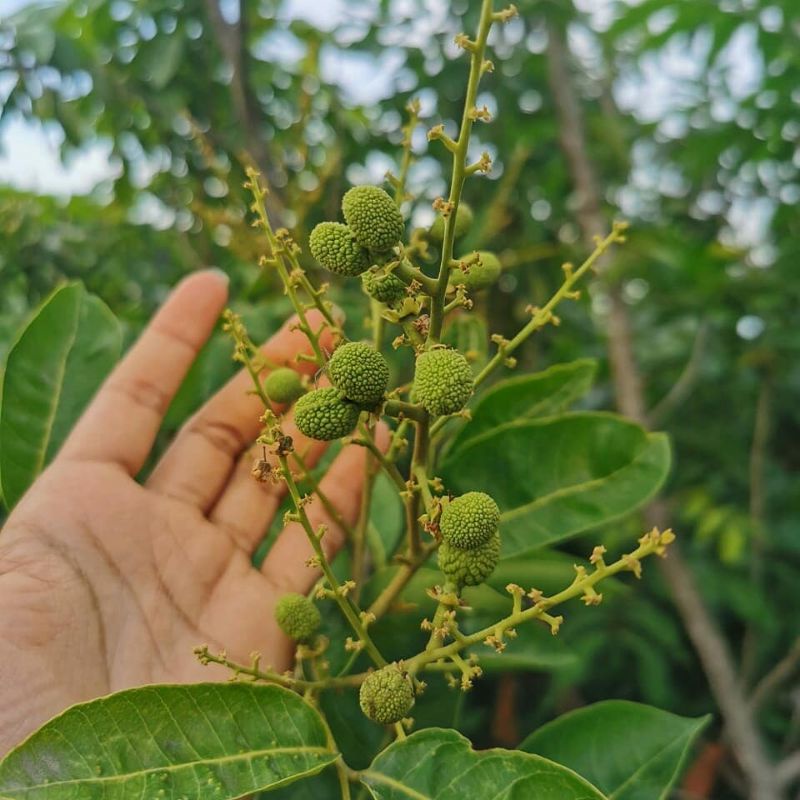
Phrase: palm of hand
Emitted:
{"points": [[107, 583]]}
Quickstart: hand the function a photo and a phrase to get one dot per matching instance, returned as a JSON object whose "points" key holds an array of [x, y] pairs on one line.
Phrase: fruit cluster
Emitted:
{"points": [[368, 243]]}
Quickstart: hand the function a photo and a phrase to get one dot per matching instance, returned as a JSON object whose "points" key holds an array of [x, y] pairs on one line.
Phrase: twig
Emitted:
{"points": [[256, 673], [780, 673], [758, 452], [327, 503], [583, 586], [680, 390], [788, 770]]}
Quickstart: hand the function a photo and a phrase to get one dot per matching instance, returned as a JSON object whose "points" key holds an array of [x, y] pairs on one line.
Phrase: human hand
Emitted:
{"points": [[106, 583]]}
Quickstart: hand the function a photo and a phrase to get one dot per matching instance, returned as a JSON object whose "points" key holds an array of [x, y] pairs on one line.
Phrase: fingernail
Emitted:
{"points": [[221, 274]]}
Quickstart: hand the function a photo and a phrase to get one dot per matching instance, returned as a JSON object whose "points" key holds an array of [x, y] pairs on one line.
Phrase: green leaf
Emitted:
{"points": [[541, 394], [559, 476], [205, 740], [52, 371], [439, 764], [630, 751]]}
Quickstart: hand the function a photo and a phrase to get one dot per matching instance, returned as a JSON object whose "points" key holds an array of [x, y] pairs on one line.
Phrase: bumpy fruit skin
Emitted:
{"points": [[386, 695], [479, 275], [297, 617], [324, 415], [470, 520], [464, 220], [373, 217], [359, 372], [387, 289], [442, 381], [469, 567], [334, 246], [284, 385]]}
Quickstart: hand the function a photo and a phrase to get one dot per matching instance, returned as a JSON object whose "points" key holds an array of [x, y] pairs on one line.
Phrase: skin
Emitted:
{"points": [[107, 583]]}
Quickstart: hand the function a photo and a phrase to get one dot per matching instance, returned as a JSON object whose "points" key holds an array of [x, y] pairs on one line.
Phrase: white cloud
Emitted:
{"points": [[29, 160]]}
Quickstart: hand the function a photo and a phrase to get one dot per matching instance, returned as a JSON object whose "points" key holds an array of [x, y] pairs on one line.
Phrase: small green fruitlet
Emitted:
{"points": [[480, 275], [464, 220], [388, 289], [334, 246], [374, 218], [359, 372], [443, 381], [297, 617], [284, 385], [469, 567], [470, 520], [386, 695], [325, 415]]}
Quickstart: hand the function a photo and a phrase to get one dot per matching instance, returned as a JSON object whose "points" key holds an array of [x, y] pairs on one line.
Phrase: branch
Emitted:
{"points": [[758, 456], [781, 672], [788, 770], [231, 40], [652, 543], [683, 385]]}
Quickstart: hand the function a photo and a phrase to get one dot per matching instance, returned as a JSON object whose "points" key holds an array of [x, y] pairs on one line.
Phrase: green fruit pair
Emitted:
{"points": [[374, 226], [470, 545], [360, 375]]}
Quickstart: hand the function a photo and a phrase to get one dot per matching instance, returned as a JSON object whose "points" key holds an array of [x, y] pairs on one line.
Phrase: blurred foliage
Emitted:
{"points": [[691, 106]]}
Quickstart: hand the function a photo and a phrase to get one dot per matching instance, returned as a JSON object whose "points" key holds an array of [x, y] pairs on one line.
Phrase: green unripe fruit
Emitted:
{"points": [[442, 381], [469, 567], [479, 275], [373, 217], [297, 617], [464, 220], [284, 385], [387, 288], [324, 415], [386, 696], [359, 372], [470, 520], [334, 246]]}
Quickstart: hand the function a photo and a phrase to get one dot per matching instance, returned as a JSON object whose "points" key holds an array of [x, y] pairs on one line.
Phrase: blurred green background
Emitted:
{"points": [[125, 128]]}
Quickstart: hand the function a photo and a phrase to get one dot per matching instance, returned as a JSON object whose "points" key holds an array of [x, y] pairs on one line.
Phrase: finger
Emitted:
{"points": [[285, 564], [122, 421], [247, 506], [197, 465]]}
